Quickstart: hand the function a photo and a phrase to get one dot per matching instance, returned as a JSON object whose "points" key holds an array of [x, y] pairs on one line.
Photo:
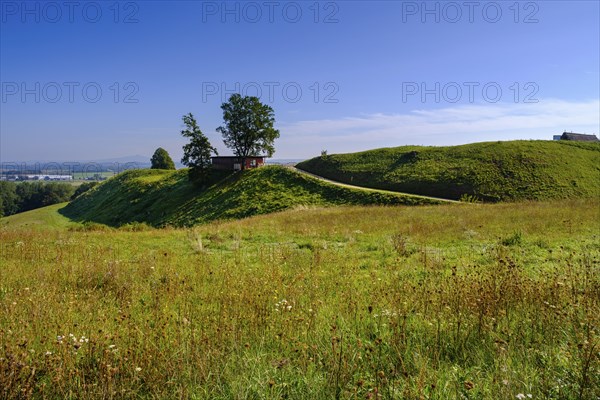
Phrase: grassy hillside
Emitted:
{"points": [[492, 171], [41, 218], [160, 197]]}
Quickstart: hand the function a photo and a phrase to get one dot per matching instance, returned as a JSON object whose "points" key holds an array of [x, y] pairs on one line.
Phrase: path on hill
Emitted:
{"points": [[370, 189]]}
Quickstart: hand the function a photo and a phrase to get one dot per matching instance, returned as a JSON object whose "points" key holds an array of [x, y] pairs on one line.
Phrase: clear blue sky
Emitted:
{"points": [[372, 74]]}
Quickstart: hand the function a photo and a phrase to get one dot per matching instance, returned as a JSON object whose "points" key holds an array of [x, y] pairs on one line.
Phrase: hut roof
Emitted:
{"points": [[580, 137]]}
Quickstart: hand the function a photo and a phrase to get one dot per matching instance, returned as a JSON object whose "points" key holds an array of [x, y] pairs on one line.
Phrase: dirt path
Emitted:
{"points": [[371, 190]]}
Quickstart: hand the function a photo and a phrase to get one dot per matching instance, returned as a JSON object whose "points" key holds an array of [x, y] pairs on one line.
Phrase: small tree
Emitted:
{"points": [[248, 127], [162, 160], [197, 153]]}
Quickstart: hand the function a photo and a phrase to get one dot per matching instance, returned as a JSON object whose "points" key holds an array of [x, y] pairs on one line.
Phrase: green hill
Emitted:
{"points": [[491, 171], [161, 197]]}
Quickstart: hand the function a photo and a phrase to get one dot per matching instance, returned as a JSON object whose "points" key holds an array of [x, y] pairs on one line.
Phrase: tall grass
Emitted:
{"points": [[484, 301]]}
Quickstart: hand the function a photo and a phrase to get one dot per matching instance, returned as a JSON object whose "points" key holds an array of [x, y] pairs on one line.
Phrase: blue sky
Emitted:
{"points": [[97, 80]]}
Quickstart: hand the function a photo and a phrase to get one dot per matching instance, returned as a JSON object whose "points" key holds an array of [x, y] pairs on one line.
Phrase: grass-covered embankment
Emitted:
{"points": [[491, 171], [160, 197]]}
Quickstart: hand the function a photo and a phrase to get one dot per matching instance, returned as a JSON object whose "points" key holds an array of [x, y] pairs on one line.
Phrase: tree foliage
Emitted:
{"points": [[248, 127], [8, 198], [162, 160], [197, 153], [25, 196]]}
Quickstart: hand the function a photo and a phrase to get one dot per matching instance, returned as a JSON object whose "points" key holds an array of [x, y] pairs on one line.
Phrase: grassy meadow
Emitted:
{"points": [[468, 301]]}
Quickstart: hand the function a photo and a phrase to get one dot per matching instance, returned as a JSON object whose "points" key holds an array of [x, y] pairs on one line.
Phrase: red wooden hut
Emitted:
{"points": [[234, 163]]}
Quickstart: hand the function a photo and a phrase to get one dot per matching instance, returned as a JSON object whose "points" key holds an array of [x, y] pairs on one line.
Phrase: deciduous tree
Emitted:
{"points": [[162, 160], [248, 127]]}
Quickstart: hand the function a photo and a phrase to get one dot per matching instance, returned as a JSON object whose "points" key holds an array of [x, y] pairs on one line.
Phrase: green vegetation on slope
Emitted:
{"points": [[494, 301], [161, 197], [45, 218], [491, 171]]}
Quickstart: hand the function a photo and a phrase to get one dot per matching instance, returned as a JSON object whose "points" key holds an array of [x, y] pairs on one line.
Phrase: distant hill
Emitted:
{"points": [[160, 197], [490, 171]]}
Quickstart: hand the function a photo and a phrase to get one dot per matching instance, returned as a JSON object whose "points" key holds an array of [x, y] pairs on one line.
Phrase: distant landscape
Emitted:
{"points": [[480, 172]]}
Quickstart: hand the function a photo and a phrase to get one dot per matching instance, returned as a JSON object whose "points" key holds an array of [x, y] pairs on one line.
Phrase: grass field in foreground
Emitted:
{"points": [[434, 302]]}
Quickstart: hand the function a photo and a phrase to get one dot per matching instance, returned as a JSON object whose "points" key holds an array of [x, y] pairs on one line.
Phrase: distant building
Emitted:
{"points": [[234, 163], [556, 137], [46, 177], [579, 137]]}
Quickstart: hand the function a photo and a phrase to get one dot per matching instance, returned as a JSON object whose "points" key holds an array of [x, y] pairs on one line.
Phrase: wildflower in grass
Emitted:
{"points": [[138, 369], [385, 313], [283, 305]]}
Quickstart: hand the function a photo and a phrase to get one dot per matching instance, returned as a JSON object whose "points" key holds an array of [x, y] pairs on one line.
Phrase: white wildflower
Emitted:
{"points": [[283, 305]]}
